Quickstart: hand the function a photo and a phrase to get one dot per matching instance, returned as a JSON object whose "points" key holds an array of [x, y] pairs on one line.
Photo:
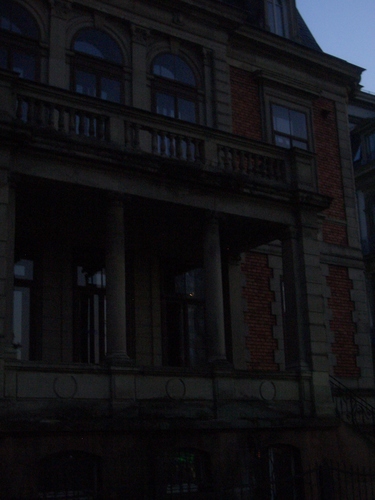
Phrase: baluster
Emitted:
{"points": [[154, 141], [91, 120], [189, 155], [19, 107], [99, 127], [135, 136], [60, 120], [162, 143], [234, 160], [50, 116], [39, 107], [226, 157], [242, 159], [73, 120], [179, 151], [107, 128], [30, 111], [81, 125], [172, 145], [126, 134]]}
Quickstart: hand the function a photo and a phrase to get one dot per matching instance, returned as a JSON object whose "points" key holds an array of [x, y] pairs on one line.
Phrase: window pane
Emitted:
{"points": [[110, 90], [280, 117], [24, 64], [165, 105], [86, 83], [298, 124], [282, 141], [15, 18], [299, 144], [186, 110], [98, 44], [173, 67], [24, 269], [3, 58], [21, 321]]}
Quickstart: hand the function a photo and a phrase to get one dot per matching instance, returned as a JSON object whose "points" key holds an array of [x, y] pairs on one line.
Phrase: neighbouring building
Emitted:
{"points": [[362, 124], [182, 290]]}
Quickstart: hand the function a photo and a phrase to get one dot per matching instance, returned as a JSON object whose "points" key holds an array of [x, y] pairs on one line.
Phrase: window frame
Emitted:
{"points": [[291, 103], [175, 88], [285, 17], [15, 42], [99, 67]]}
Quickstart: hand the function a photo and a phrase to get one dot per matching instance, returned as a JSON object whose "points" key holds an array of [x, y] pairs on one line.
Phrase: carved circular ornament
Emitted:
{"points": [[267, 390], [65, 386], [175, 388]]}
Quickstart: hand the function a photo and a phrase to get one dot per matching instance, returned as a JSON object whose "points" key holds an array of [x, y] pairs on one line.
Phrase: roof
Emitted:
{"points": [[305, 35]]}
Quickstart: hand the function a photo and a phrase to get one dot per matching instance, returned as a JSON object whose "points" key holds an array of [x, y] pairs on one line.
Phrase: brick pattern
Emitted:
{"points": [[258, 316], [329, 170], [342, 325], [245, 104]]}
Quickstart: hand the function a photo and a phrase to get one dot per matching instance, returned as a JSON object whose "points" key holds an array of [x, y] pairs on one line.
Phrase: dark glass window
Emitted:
{"points": [[275, 14], [183, 473], [97, 66], [90, 315], [22, 295], [370, 146], [185, 341], [278, 474], [72, 474], [175, 88], [19, 35], [289, 127]]}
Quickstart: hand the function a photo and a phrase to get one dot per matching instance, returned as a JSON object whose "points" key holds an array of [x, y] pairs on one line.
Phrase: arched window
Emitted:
{"points": [[175, 88], [19, 37], [70, 474], [98, 62]]}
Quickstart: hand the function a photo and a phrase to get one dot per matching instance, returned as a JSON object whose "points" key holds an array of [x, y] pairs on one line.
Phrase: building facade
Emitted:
{"points": [[181, 269]]}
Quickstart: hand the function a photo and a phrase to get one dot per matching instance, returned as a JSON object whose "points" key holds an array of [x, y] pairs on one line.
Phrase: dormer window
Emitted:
{"points": [[276, 17]]}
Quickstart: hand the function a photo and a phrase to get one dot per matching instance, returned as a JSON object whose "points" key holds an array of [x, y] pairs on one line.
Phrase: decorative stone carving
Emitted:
{"points": [[140, 35]]}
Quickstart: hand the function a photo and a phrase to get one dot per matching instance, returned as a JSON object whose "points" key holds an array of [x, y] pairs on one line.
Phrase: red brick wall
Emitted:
{"points": [[329, 170], [258, 316], [245, 104], [341, 323]]}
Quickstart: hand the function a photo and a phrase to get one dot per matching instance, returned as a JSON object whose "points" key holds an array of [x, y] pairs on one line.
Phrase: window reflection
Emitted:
{"points": [[23, 275]]}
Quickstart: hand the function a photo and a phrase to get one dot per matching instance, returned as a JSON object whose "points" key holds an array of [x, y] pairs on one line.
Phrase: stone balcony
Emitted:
{"points": [[49, 118]]}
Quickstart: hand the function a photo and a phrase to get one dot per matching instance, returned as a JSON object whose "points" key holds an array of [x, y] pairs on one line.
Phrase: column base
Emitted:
{"points": [[119, 359]]}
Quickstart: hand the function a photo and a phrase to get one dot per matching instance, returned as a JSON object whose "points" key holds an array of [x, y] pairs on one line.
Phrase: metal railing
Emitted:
{"points": [[353, 409]]}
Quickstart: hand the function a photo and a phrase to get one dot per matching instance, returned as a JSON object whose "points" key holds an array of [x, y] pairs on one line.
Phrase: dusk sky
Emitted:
{"points": [[346, 29]]}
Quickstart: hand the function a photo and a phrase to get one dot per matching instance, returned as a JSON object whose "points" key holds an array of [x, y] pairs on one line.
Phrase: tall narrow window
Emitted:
{"points": [[98, 65], [19, 37], [289, 127], [276, 17], [183, 324], [22, 296], [175, 88], [90, 315]]}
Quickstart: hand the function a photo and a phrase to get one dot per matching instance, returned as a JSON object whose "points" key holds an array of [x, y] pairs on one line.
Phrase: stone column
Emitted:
{"points": [[57, 51], [305, 335], [141, 92], [7, 234], [115, 284], [214, 293]]}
